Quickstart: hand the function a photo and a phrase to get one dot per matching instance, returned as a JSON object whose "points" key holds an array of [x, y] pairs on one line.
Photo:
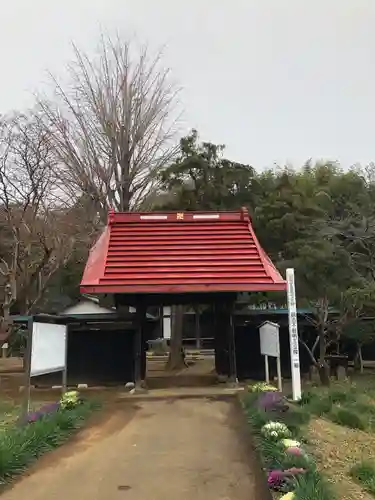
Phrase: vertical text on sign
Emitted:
{"points": [[293, 334]]}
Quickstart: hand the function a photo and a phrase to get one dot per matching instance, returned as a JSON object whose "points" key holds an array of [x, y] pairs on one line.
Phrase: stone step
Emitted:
{"points": [[163, 382]]}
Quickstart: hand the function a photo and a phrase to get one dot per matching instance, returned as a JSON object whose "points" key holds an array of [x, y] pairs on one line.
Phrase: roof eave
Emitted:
{"points": [[98, 254], [169, 289]]}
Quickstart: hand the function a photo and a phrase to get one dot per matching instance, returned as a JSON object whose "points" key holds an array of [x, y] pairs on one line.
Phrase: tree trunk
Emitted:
{"points": [[358, 360], [176, 357], [323, 366], [197, 328]]}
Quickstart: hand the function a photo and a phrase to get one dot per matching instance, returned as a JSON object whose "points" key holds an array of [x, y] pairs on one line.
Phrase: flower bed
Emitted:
{"points": [[278, 430], [41, 431]]}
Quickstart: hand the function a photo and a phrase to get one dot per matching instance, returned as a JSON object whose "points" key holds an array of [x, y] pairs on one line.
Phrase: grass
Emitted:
{"points": [[313, 486], [9, 413], [364, 474], [345, 405], [351, 406], [22, 445]]}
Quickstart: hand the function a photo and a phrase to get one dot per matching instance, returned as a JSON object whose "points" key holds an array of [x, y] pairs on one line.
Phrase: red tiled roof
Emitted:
{"points": [[177, 253]]}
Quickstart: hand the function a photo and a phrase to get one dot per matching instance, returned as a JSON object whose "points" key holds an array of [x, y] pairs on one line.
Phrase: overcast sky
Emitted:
{"points": [[275, 80]]}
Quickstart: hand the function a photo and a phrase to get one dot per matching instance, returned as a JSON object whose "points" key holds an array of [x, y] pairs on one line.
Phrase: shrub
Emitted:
{"points": [[364, 474], [296, 417], [341, 396], [365, 408], [348, 418], [307, 397], [320, 405]]}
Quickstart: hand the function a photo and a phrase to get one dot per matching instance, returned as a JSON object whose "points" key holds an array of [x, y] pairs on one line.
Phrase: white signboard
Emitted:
{"points": [[48, 348], [269, 339], [167, 322], [293, 335]]}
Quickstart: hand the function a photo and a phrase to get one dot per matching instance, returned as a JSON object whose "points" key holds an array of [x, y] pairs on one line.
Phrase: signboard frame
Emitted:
{"points": [[47, 319], [270, 347]]}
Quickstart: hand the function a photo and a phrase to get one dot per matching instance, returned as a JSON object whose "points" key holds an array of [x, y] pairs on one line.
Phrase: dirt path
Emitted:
{"points": [[158, 450]]}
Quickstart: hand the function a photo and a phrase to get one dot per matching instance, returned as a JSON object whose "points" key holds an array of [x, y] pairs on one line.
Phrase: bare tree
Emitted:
{"points": [[37, 236], [112, 125]]}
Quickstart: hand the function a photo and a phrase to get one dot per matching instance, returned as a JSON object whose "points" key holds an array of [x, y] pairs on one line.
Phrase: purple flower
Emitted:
{"points": [[49, 408], [275, 478], [278, 478], [272, 401], [46, 409]]}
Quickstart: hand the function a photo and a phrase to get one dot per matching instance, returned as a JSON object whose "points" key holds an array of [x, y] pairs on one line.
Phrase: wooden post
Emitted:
{"points": [[279, 380], [138, 345], [25, 408], [198, 343], [267, 369], [4, 350], [65, 371], [232, 345], [221, 328], [218, 340]]}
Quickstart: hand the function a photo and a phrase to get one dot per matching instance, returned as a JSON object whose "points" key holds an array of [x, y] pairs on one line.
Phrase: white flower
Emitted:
{"points": [[262, 387], [276, 430], [291, 443]]}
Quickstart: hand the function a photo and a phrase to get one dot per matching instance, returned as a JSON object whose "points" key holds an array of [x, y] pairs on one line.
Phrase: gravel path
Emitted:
{"points": [[157, 450]]}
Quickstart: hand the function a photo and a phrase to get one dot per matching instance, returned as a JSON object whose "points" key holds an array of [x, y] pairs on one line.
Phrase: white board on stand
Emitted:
{"points": [[167, 322], [269, 339], [48, 348], [270, 347]]}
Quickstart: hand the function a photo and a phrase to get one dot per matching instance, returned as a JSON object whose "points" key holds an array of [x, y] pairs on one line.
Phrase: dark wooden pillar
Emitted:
{"points": [[225, 348], [139, 346], [221, 339], [232, 356]]}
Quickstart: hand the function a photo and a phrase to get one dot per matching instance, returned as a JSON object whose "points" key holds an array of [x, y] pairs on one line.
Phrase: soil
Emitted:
{"points": [[155, 450]]}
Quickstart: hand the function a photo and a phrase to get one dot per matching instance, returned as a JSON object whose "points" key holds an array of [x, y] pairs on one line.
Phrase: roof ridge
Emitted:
{"points": [[241, 215]]}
